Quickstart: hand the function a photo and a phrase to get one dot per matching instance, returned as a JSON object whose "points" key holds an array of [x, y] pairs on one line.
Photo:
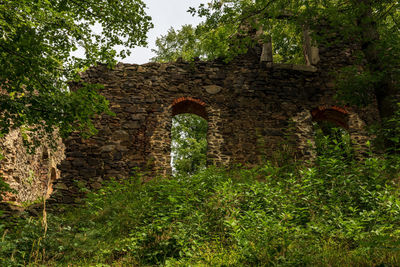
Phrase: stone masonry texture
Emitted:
{"points": [[252, 110], [30, 174]]}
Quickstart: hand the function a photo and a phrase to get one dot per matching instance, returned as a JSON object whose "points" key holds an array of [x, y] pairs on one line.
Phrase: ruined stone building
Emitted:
{"points": [[251, 107], [30, 174]]}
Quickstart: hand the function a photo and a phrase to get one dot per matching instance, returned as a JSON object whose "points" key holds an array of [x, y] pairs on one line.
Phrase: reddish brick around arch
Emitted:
{"points": [[189, 105], [335, 114]]}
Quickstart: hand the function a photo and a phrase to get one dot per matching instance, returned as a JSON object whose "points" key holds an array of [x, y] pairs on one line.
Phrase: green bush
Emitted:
{"points": [[337, 211]]}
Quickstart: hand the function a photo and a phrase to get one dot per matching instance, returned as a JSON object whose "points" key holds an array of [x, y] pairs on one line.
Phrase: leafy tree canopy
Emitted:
{"points": [[286, 18], [178, 43], [38, 39]]}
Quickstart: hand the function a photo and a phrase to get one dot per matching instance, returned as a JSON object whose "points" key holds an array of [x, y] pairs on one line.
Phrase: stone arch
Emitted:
{"points": [[189, 105], [337, 115], [303, 121], [348, 120], [160, 138]]}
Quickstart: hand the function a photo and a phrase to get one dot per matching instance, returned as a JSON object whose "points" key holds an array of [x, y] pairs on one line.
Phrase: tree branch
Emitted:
{"points": [[387, 11]]}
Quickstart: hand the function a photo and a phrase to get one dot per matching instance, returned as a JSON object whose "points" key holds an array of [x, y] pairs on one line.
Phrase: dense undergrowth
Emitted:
{"points": [[336, 211]]}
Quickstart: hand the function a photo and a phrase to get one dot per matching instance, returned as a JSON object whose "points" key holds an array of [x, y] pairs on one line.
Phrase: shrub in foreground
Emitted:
{"points": [[338, 212]]}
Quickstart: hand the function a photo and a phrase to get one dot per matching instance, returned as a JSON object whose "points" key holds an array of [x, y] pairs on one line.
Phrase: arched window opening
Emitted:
{"points": [[330, 131], [188, 136], [336, 115], [189, 105]]}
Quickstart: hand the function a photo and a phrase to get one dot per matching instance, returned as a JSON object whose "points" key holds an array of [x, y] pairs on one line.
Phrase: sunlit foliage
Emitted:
{"points": [[37, 44], [188, 144]]}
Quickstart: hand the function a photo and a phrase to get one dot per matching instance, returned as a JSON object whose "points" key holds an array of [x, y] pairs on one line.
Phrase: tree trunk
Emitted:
{"points": [[384, 91]]}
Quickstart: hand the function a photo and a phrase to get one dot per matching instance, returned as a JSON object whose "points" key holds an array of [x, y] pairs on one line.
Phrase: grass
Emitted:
{"points": [[336, 213]]}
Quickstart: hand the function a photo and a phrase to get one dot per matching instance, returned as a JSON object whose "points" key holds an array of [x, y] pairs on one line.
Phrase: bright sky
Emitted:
{"points": [[165, 14]]}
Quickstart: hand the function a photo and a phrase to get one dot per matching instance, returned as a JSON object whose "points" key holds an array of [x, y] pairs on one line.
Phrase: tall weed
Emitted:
{"points": [[338, 211]]}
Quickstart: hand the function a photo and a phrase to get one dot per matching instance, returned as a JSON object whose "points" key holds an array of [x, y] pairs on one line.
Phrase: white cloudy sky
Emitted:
{"points": [[165, 14]]}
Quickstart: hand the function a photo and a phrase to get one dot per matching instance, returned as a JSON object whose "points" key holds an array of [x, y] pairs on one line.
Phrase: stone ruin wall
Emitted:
{"points": [[251, 108], [254, 109], [31, 175]]}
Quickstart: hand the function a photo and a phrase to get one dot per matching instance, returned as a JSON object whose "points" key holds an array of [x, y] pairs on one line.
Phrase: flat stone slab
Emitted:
{"points": [[213, 89]]}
